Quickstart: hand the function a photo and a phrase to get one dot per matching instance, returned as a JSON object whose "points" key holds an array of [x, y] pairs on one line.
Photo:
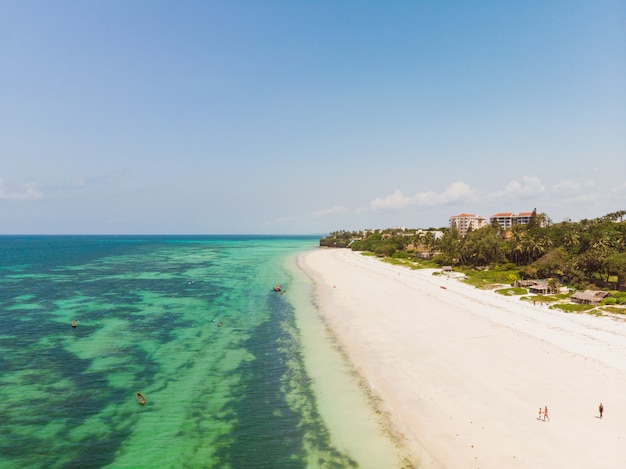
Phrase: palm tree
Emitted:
{"points": [[572, 240], [516, 242], [601, 241], [537, 244]]}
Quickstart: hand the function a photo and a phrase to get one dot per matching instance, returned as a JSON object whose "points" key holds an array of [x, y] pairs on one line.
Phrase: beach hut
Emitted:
{"points": [[589, 297], [539, 288]]}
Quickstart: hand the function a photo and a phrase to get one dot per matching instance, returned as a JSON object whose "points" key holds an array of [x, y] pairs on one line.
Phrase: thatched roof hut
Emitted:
{"points": [[534, 286], [539, 288], [525, 283], [588, 297]]}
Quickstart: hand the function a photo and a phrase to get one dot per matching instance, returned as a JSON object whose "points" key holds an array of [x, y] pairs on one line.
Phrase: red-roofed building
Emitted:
{"points": [[504, 219], [464, 221], [507, 219]]}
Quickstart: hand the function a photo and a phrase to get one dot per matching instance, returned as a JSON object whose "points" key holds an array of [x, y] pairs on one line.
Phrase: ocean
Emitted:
{"points": [[194, 324]]}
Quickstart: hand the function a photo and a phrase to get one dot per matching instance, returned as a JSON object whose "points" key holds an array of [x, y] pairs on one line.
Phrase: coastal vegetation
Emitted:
{"points": [[583, 255]]}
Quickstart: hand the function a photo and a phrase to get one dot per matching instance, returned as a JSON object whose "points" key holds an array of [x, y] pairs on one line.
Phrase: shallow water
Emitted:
{"points": [[344, 400], [191, 322]]}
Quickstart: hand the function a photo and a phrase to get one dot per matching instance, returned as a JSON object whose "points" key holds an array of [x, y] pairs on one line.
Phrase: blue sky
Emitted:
{"points": [[307, 117]]}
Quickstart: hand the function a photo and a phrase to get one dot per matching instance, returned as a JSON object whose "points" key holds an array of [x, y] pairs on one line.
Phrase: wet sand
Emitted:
{"points": [[343, 402]]}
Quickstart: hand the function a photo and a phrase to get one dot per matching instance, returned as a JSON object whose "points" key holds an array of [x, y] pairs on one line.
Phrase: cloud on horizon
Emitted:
{"points": [[619, 191], [455, 192], [458, 191], [105, 179], [29, 191], [527, 187], [530, 186], [331, 210], [34, 190]]}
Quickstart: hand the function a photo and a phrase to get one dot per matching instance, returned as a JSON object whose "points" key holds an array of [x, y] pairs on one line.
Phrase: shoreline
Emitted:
{"points": [[359, 432], [461, 372]]}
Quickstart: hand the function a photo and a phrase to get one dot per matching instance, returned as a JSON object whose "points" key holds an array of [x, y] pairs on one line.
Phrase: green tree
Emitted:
{"points": [[536, 244], [449, 246], [553, 285], [515, 245], [482, 247], [553, 263], [533, 222], [615, 264]]}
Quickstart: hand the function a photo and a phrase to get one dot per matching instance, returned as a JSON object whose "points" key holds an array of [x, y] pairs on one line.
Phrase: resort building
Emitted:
{"points": [[507, 219], [464, 221], [523, 218], [436, 234], [504, 219]]}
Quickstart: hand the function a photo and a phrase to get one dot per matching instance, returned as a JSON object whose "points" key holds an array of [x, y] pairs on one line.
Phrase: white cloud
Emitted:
{"points": [[459, 192], [281, 221], [619, 190], [24, 192], [529, 187], [455, 192], [566, 197], [580, 198], [566, 187], [108, 178], [330, 211], [32, 190], [396, 200], [90, 182]]}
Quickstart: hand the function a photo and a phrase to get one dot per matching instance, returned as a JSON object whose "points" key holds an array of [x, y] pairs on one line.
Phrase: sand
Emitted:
{"points": [[461, 372]]}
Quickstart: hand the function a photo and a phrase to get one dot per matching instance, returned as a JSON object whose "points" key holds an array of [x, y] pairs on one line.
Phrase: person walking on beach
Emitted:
{"points": [[540, 414], [601, 409], [545, 414]]}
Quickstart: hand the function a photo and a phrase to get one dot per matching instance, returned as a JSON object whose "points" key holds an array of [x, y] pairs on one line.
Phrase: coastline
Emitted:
{"points": [[461, 372], [359, 431]]}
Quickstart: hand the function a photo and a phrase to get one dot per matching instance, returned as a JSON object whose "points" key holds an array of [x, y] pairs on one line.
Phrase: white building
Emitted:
{"points": [[464, 221], [507, 219]]}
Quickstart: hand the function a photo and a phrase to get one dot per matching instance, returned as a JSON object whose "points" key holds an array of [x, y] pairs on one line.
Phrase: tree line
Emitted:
{"points": [[584, 253]]}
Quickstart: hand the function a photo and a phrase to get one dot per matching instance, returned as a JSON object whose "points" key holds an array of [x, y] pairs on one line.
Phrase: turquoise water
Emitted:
{"points": [[191, 322]]}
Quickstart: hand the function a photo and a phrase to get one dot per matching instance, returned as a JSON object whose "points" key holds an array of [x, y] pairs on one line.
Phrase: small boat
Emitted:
{"points": [[277, 288], [74, 324], [219, 324], [140, 398]]}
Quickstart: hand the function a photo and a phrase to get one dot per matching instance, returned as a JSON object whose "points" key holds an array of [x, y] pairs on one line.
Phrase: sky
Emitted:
{"points": [[299, 117]]}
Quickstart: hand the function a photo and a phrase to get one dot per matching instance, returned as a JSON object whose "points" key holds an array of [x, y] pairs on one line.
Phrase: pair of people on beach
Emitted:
{"points": [[544, 412]]}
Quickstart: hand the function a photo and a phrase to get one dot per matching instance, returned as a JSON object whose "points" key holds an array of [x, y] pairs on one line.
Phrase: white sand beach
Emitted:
{"points": [[462, 372]]}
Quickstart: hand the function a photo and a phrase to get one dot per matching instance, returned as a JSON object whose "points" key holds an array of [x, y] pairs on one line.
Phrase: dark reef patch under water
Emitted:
{"points": [[147, 312]]}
